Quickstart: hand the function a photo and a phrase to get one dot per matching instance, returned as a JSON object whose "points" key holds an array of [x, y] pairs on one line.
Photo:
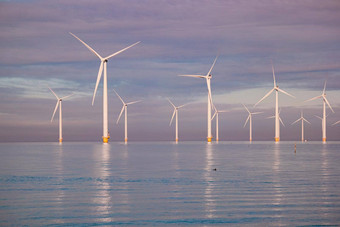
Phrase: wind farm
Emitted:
{"points": [[157, 113]]}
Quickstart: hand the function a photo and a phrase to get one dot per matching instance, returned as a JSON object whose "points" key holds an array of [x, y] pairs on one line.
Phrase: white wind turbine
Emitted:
{"points": [[124, 108], [207, 77], [173, 115], [277, 119], [250, 122], [216, 115], [103, 64], [302, 119], [60, 114], [323, 96]]}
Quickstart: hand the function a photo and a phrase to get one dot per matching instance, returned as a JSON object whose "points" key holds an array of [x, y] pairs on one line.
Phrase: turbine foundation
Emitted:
{"points": [[277, 139], [324, 139], [209, 139], [105, 139], [61, 140]]}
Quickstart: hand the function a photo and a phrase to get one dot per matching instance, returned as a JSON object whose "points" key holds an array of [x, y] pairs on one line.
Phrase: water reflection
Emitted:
{"points": [[102, 199], [209, 198], [325, 180], [278, 194], [60, 173]]}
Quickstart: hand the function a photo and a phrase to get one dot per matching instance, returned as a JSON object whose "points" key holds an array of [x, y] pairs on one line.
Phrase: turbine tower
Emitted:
{"points": [[277, 90], [302, 119], [173, 115], [103, 65], [323, 96], [216, 115], [207, 77], [124, 108], [60, 114], [250, 122]]}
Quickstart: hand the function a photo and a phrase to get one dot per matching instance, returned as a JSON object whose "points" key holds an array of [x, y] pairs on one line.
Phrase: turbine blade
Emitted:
{"points": [[270, 117], [214, 115], [65, 97], [265, 96], [129, 103], [88, 47], [318, 117], [119, 97], [306, 121], [324, 98], [54, 93], [256, 113], [246, 121], [324, 87], [183, 105], [98, 79], [320, 96], [121, 112], [198, 76], [246, 108], [336, 123], [55, 110], [273, 74], [286, 93], [173, 115], [171, 103], [223, 111], [118, 52], [212, 66], [281, 121], [296, 121]]}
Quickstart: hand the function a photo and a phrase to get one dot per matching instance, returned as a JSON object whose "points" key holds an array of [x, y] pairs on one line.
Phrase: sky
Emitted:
{"points": [[301, 38]]}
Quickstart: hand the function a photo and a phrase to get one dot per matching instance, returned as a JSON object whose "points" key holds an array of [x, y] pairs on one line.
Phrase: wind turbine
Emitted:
{"points": [[173, 115], [277, 119], [103, 65], [216, 115], [302, 119], [207, 77], [323, 96], [60, 114], [124, 108], [250, 122]]}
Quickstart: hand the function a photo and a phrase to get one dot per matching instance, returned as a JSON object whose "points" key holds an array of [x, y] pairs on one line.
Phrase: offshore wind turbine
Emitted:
{"points": [[216, 115], [323, 96], [302, 119], [60, 114], [250, 114], [277, 118], [124, 109], [173, 115], [103, 65], [207, 77]]}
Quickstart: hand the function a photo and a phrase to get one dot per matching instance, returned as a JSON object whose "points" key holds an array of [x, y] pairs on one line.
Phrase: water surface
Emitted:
{"points": [[164, 183]]}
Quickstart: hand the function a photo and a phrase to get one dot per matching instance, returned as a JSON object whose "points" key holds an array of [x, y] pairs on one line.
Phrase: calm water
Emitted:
{"points": [[165, 183]]}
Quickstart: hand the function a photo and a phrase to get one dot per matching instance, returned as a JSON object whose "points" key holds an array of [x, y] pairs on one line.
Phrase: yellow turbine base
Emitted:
{"points": [[105, 139], [277, 139], [209, 139], [125, 140], [216, 139], [176, 139], [250, 140], [61, 140], [323, 139]]}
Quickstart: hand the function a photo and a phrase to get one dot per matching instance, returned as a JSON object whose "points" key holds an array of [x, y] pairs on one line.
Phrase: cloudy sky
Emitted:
{"points": [[302, 38]]}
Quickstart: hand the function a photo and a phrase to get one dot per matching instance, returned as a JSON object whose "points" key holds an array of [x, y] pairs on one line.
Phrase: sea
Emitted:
{"points": [[164, 183]]}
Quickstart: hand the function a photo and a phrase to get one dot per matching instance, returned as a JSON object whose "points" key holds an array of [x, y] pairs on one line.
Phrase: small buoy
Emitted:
{"points": [[295, 148], [215, 169]]}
